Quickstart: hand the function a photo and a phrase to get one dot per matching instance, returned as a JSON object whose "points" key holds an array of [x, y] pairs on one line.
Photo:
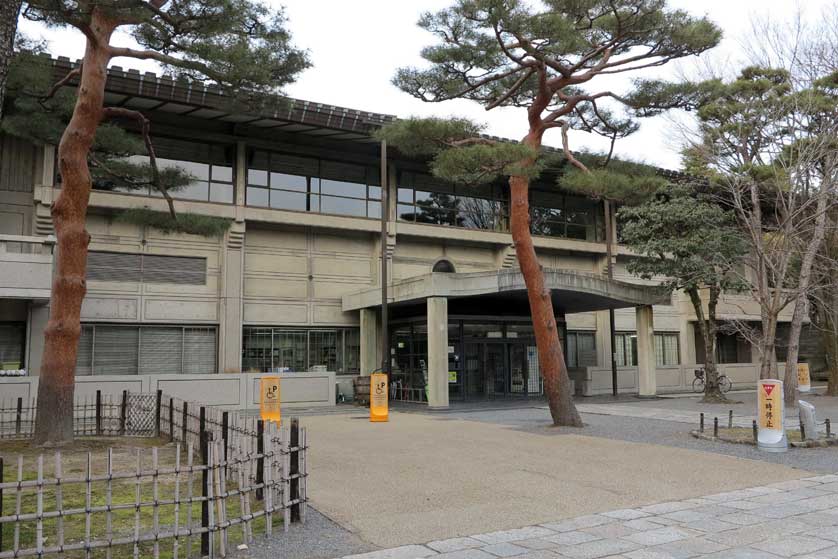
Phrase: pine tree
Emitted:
{"points": [[507, 53], [694, 243], [239, 45], [9, 13]]}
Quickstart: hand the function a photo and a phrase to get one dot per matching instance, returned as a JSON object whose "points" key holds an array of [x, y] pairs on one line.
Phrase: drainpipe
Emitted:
{"points": [[385, 215], [609, 250]]}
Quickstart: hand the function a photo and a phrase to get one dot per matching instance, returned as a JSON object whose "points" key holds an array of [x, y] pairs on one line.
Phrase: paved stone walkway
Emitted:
{"points": [[664, 414], [796, 518]]}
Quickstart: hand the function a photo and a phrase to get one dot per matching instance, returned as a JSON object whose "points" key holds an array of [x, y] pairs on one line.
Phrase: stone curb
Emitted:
{"points": [[819, 443]]}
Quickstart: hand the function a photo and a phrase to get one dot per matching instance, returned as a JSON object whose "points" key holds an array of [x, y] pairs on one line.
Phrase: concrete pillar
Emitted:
{"points": [[687, 342], [230, 302], [603, 339], [231, 286], [37, 323], [437, 352], [370, 352], [646, 374]]}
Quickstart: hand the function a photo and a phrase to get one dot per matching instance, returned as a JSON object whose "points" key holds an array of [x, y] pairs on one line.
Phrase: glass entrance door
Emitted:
{"points": [[495, 367], [473, 369], [519, 372]]}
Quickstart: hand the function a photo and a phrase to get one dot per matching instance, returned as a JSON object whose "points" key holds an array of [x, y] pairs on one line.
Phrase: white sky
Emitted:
{"points": [[355, 47]]}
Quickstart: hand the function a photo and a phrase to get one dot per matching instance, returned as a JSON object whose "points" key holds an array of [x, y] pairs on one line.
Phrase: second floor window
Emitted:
{"points": [[425, 199], [290, 182], [210, 167]]}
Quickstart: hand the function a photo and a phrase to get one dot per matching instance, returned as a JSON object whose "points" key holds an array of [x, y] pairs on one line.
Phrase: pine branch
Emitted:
{"points": [[145, 125]]}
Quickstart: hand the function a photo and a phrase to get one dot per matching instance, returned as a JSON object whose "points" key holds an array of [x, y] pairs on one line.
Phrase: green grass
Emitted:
{"points": [[73, 495]]}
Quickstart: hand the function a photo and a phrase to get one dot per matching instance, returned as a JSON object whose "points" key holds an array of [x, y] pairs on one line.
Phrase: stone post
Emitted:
{"points": [[646, 374], [370, 354], [437, 352]]}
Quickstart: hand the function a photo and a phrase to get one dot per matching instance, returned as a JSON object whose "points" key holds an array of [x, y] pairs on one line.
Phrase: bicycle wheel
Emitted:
{"points": [[724, 383], [698, 385]]}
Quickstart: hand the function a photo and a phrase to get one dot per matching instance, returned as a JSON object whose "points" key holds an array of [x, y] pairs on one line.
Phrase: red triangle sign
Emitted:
{"points": [[769, 388]]}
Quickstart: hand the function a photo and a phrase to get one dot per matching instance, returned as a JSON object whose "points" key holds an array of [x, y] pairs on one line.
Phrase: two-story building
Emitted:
{"points": [[293, 286]]}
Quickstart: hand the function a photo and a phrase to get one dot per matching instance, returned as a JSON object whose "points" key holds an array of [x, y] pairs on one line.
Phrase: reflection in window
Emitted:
{"points": [[301, 349], [425, 199], [209, 165], [555, 214], [309, 184]]}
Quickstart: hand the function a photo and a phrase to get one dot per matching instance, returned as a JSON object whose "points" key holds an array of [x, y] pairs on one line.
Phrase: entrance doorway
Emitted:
{"points": [[499, 369]]}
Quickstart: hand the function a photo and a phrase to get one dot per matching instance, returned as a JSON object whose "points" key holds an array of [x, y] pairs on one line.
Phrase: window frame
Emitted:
{"points": [[140, 327], [313, 194], [662, 337], [343, 358]]}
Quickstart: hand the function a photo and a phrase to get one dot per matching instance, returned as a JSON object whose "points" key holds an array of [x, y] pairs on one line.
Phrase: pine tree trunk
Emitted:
{"points": [[707, 327], [9, 13], [54, 423], [550, 354]]}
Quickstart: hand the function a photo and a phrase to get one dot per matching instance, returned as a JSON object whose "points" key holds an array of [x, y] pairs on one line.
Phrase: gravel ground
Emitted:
{"points": [[318, 538], [668, 433], [826, 406]]}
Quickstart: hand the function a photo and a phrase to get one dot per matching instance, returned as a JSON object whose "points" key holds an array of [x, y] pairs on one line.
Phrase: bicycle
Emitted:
{"points": [[699, 381]]}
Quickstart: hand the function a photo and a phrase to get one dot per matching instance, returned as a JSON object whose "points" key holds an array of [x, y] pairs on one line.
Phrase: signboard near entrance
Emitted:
{"points": [[378, 398], [269, 399], [804, 380], [771, 435]]}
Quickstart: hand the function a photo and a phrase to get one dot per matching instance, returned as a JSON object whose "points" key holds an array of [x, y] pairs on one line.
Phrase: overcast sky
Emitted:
{"points": [[355, 46]]}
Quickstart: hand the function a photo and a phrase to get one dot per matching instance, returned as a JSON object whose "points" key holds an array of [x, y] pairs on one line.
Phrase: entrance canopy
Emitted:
{"points": [[571, 291]]}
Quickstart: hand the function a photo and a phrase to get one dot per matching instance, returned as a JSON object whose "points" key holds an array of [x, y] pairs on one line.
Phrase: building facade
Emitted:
{"points": [[293, 286]]}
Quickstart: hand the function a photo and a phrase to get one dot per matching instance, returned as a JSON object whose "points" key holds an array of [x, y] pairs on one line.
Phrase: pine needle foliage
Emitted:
{"points": [[189, 223]]}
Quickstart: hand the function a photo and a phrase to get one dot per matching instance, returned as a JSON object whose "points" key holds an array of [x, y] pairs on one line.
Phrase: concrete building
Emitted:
{"points": [[294, 285]]}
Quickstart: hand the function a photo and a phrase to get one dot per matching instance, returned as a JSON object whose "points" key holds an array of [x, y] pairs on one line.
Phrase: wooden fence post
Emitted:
{"points": [[18, 416], [123, 412], [202, 422], [157, 413], [185, 419], [205, 504], [294, 468], [98, 412], [260, 461], [171, 419], [1, 499], [225, 428]]}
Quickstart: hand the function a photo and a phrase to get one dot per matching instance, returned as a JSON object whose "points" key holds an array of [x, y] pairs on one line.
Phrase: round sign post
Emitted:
{"points": [[804, 380], [378, 398], [771, 435]]}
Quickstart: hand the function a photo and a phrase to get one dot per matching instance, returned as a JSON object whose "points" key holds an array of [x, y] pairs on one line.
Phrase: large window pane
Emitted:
{"points": [[289, 182], [220, 192], [257, 196], [343, 188], [222, 173], [324, 350], [343, 206], [289, 351], [288, 200], [257, 177]]}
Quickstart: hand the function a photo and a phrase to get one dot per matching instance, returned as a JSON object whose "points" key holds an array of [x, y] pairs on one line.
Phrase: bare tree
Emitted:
{"points": [[768, 145]]}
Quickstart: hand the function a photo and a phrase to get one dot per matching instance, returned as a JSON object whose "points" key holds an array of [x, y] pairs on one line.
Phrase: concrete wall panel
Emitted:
{"points": [[259, 312], [102, 308], [275, 287], [180, 310], [332, 314]]}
